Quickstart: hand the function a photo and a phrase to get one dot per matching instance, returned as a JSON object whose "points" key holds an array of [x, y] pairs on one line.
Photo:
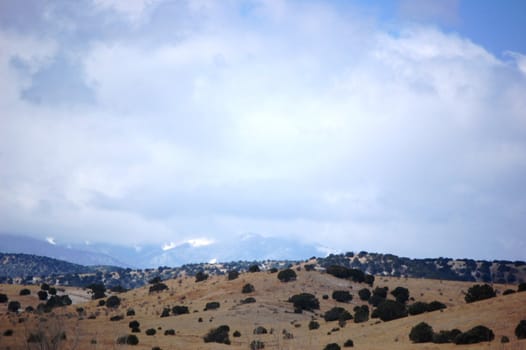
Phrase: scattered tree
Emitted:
{"points": [[305, 301], [13, 306], [421, 333], [287, 275], [248, 288], [475, 335], [479, 292], [233, 274], [364, 294], [201, 276], [218, 335], [25, 291], [520, 330], [113, 302], [390, 310], [342, 296], [337, 314], [401, 294]]}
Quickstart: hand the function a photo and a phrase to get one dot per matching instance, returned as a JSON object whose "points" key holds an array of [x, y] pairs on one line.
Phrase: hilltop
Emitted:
{"points": [[191, 306]]}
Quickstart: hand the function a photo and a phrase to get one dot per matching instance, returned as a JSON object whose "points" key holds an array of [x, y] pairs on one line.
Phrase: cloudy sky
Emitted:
{"points": [[393, 126]]}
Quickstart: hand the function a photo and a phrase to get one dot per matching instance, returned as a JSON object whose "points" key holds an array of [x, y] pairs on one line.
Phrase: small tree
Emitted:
{"points": [[390, 310], [113, 301], [520, 330], [342, 296], [337, 314], [417, 308], [254, 268], [248, 288], [475, 335], [332, 346], [201, 276], [305, 301], [42, 295], [361, 314], [3, 298], [287, 275], [479, 292], [401, 294], [313, 325], [25, 291], [421, 333], [233, 274], [13, 306], [218, 335], [364, 294]]}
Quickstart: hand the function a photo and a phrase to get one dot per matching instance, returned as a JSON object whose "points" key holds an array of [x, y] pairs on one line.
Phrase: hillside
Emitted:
{"points": [[88, 325]]}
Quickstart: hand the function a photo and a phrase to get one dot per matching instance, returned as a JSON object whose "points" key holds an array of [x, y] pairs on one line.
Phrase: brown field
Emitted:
{"points": [[271, 310]]}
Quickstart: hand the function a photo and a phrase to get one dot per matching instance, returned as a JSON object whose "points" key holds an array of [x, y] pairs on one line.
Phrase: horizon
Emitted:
{"points": [[396, 127]]}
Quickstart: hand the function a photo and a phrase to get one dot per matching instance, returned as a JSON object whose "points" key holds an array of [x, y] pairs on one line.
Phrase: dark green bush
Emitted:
{"points": [[348, 343], [435, 305], [169, 332], [287, 275], [233, 274], [165, 312], [248, 300], [521, 287], [520, 330], [218, 335], [475, 335], [113, 302], [248, 288], [201, 276], [417, 308], [421, 333], [213, 305], [361, 314], [313, 325], [8, 333], [25, 291], [443, 337], [337, 314], [260, 330], [180, 310], [342, 296], [158, 287], [504, 339], [364, 294], [150, 331], [130, 312], [479, 292], [134, 324], [332, 346], [390, 310], [305, 301], [401, 294], [236, 334], [132, 339], [3, 298], [13, 306], [254, 268], [116, 318], [508, 291]]}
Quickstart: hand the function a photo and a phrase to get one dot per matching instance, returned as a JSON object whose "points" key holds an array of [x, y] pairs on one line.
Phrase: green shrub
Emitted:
{"points": [[248, 288], [201, 276], [361, 314], [520, 330], [390, 310], [337, 314], [158, 287], [504, 339], [521, 287], [421, 333], [218, 335], [150, 331], [446, 336], [3, 298], [213, 305], [508, 291], [342, 296], [134, 324], [169, 332], [287, 275], [305, 301], [313, 325], [332, 346], [254, 268], [13, 306], [180, 310], [479, 292], [475, 335], [364, 294], [435, 305], [233, 274], [132, 339], [8, 333], [25, 291], [417, 308], [348, 343], [113, 302], [236, 334], [401, 294]]}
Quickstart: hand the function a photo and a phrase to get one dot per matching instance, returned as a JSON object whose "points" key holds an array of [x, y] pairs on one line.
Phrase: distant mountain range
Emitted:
{"points": [[248, 247]]}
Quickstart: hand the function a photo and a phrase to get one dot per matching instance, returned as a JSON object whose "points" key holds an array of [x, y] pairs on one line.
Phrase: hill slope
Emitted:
{"points": [[92, 327]]}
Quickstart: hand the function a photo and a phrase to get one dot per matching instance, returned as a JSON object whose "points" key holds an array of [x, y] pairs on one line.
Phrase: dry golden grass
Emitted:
{"points": [[271, 310]]}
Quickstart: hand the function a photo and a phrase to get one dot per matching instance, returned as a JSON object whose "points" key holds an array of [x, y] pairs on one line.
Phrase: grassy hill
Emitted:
{"points": [[91, 327]]}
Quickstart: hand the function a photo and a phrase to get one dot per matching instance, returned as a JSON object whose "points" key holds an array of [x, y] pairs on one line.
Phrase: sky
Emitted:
{"points": [[388, 126]]}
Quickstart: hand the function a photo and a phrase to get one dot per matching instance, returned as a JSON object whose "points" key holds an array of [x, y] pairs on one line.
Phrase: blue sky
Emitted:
{"points": [[393, 126]]}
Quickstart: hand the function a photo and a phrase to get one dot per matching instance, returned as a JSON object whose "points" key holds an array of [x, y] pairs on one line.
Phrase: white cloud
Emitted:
{"points": [[297, 120]]}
